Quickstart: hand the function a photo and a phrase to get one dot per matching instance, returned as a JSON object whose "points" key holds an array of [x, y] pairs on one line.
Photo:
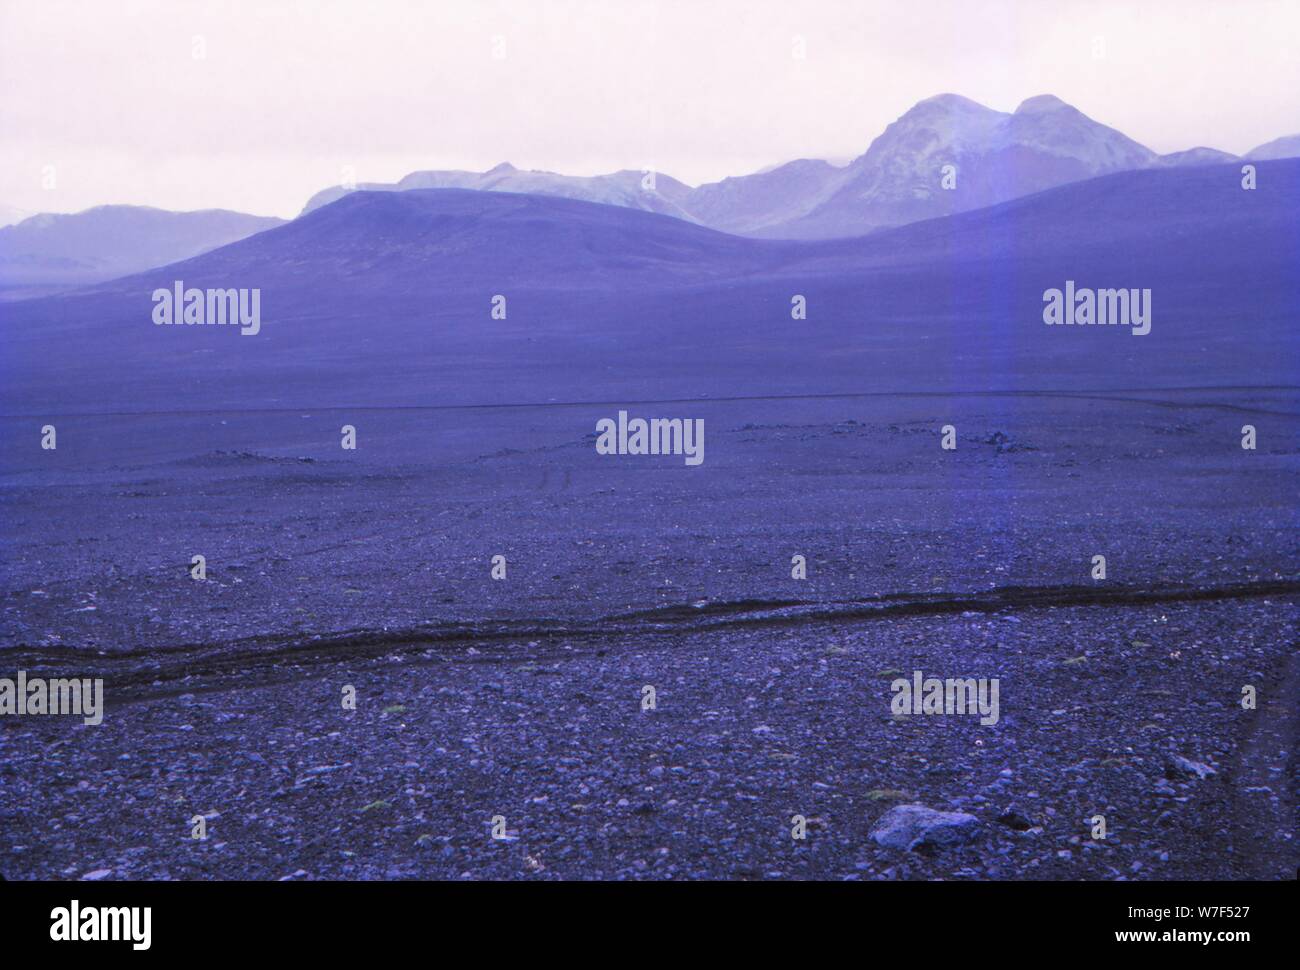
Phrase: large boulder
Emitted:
{"points": [[913, 826]]}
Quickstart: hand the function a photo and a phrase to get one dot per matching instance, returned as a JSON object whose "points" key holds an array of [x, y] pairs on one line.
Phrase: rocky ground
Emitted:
{"points": [[522, 698], [1102, 711]]}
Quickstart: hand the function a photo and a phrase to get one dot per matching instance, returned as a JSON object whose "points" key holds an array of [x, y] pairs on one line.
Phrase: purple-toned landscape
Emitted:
{"points": [[446, 627]]}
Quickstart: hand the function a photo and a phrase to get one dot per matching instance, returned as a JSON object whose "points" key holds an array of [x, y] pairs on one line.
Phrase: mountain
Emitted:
{"points": [[751, 203], [1196, 156], [1285, 147], [384, 300], [453, 239], [625, 188], [1183, 228], [998, 156], [994, 156], [50, 250]]}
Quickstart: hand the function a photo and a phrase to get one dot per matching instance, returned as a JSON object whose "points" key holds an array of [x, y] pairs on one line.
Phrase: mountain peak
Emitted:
{"points": [[953, 102], [504, 168], [1040, 103]]}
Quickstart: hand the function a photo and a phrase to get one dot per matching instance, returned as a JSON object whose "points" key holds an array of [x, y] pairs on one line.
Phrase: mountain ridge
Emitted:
{"points": [[52, 250], [995, 156]]}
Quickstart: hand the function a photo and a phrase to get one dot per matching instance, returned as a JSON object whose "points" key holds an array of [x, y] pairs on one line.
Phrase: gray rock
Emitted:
{"points": [[912, 826], [1179, 767]]}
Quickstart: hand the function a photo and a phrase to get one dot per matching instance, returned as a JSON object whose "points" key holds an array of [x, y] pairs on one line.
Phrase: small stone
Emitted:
{"points": [[1014, 819]]}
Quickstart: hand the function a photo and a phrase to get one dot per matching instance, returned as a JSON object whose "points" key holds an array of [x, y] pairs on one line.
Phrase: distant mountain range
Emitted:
{"points": [[946, 155], [620, 188], [47, 252], [384, 299], [994, 156]]}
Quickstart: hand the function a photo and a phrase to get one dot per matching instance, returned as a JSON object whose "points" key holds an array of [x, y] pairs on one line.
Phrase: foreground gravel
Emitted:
{"points": [[753, 724]]}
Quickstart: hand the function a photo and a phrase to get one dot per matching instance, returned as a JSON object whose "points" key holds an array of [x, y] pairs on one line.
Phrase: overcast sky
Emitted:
{"points": [[111, 94]]}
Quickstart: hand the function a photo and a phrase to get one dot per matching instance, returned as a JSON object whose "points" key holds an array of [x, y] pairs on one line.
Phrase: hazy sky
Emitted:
{"points": [[111, 94]]}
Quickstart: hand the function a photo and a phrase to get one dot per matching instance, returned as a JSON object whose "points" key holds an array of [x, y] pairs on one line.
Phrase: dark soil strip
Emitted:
{"points": [[145, 667]]}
